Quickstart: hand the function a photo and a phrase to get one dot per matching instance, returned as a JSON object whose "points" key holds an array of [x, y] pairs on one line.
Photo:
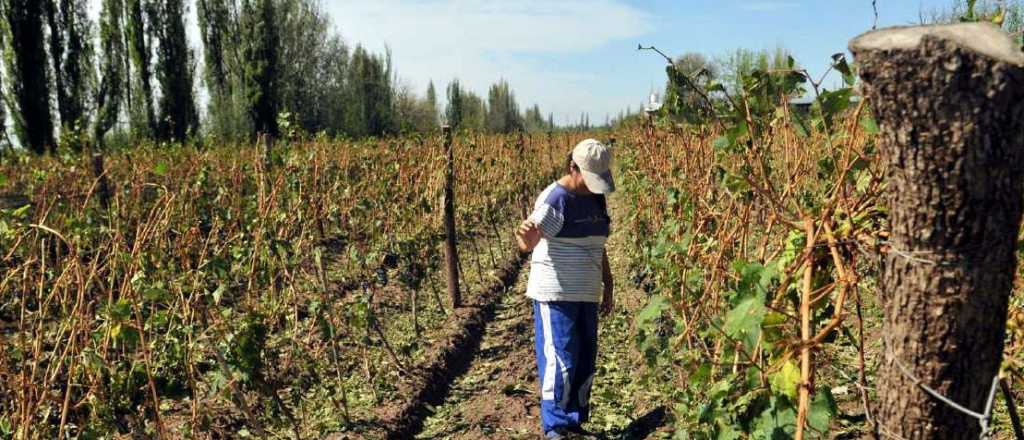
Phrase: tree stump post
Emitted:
{"points": [[950, 104], [451, 246], [103, 185]]}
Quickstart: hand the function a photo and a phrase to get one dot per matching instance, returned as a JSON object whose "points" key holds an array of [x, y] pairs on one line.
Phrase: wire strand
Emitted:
{"points": [[984, 419]]}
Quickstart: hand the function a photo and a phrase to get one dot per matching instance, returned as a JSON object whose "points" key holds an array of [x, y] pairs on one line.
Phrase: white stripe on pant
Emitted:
{"points": [[552, 362]]}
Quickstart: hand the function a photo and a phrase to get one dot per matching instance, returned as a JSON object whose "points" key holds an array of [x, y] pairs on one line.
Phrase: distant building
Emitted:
{"points": [[653, 104], [803, 104]]}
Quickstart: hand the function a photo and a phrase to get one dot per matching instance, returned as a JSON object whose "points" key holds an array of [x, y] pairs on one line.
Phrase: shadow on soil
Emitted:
{"points": [[644, 426]]}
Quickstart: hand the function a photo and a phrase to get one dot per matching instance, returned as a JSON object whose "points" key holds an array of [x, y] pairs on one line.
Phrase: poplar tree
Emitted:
{"points": [[139, 52], [26, 67], [369, 79], [214, 23], [260, 73], [70, 52], [178, 116], [112, 74], [3, 94], [474, 111], [303, 30], [503, 111], [432, 103], [455, 111], [534, 120]]}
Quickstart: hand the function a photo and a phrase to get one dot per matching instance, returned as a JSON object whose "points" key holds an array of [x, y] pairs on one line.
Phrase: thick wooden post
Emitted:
{"points": [[267, 147], [950, 103], [103, 186], [451, 246]]}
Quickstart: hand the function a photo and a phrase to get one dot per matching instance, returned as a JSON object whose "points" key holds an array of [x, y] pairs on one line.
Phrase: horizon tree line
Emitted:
{"points": [[131, 76]]}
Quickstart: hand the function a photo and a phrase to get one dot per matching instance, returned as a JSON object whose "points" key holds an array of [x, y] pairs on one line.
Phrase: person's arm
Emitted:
{"points": [[544, 222], [608, 302], [527, 236]]}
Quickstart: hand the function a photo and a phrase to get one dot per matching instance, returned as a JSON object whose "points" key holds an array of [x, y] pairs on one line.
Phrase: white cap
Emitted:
{"points": [[594, 161]]}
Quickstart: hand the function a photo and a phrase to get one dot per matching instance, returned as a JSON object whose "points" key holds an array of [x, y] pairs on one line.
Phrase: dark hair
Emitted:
{"points": [[571, 164]]}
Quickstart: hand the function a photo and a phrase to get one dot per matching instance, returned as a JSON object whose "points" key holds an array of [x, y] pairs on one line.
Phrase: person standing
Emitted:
{"points": [[569, 280]]}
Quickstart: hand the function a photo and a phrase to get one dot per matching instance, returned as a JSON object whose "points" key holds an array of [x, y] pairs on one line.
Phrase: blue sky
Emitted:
{"points": [[573, 56]]}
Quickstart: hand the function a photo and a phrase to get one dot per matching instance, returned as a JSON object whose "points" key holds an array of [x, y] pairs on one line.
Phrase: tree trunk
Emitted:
{"points": [[451, 250], [29, 77], [950, 103]]}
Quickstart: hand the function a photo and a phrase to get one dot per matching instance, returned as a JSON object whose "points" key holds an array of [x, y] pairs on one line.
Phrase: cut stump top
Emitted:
{"points": [[982, 38]]}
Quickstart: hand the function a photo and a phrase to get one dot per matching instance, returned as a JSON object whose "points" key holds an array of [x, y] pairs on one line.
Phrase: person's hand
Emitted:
{"points": [[608, 301], [527, 235]]}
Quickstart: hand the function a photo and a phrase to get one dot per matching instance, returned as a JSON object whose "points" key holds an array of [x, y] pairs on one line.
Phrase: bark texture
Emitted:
{"points": [[950, 103]]}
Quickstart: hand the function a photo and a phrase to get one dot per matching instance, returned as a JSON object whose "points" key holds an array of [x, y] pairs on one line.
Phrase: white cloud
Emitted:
{"points": [[767, 6], [481, 41]]}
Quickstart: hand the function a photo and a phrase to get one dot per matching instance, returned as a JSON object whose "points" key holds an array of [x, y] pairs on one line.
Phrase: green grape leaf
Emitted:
{"points": [[744, 321], [785, 380], [869, 125], [822, 409], [652, 311]]}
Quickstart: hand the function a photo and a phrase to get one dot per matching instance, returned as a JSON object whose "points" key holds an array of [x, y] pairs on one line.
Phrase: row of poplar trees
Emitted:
{"points": [[498, 114], [133, 74]]}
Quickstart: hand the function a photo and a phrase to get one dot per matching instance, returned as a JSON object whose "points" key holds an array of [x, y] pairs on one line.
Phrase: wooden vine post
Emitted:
{"points": [[451, 248], [266, 142], [551, 149], [806, 381], [950, 104], [103, 184]]}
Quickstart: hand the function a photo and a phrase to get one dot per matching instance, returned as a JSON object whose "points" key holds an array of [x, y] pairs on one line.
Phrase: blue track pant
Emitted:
{"points": [[566, 342]]}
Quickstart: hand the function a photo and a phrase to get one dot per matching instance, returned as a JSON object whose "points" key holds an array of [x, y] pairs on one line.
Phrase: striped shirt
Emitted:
{"points": [[567, 263]]}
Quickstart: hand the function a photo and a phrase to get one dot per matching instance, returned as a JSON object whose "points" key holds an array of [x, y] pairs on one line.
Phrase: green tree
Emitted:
{"points": [[304, 31], [432, 103], [26, 68], [260, 72], [228, 114], [502, 111], [112, 74], [739, 64], [533, 120], [334, 101], [466, 110], [454, 112], [70, 52], [412, 113], [371, 92], [214, 22], [178, 116], [139, 53], [474, 111], [3, 100], [681, 100]]}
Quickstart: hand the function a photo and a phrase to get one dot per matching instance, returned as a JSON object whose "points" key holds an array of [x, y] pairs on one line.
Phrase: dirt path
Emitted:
{"points": [[497, 397]]}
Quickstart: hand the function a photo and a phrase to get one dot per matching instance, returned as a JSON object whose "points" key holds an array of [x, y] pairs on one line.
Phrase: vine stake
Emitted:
{"points": [[451, 247]]}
